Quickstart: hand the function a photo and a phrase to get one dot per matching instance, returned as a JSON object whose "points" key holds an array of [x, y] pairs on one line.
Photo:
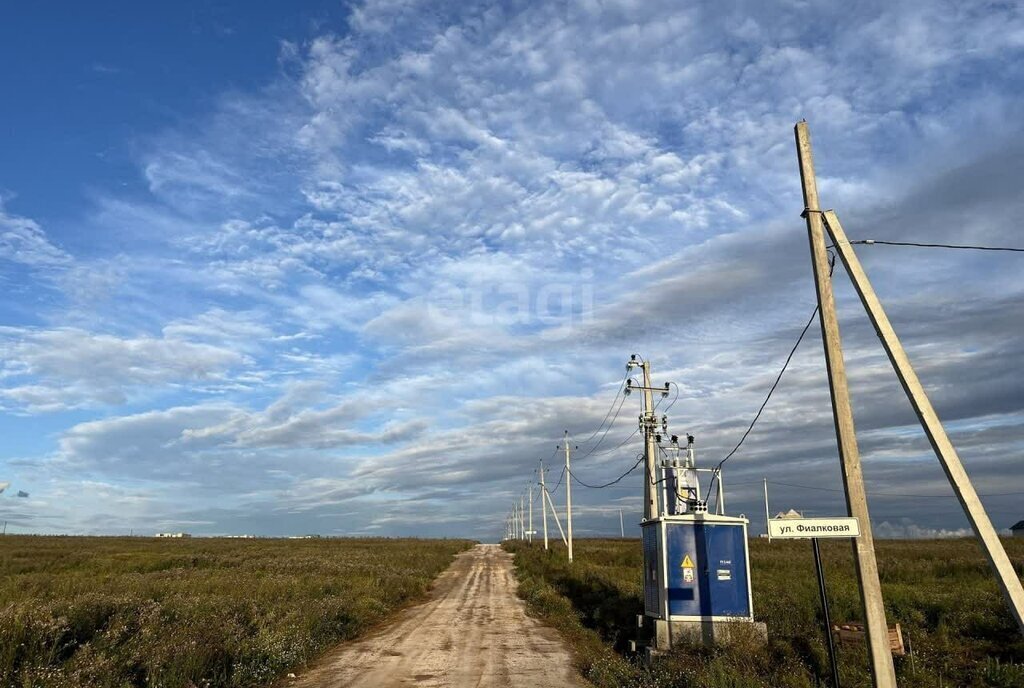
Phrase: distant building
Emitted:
{"points": [[1017, 529], [792, 513], [174, 535]]}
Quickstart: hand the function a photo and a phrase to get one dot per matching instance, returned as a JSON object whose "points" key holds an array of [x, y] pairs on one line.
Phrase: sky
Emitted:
{"points": [[352, 269]]}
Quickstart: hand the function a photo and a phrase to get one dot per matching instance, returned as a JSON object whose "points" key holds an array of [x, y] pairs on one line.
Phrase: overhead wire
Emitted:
{"points": [[963, 247], [636, 465], [778, 378], [606, 431], [619, 391], [560, 477], [612, 449], [886, 494]]}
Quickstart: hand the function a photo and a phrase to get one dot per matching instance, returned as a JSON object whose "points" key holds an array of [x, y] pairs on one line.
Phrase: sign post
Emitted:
{"points": [[812, 529], [828, 618]]}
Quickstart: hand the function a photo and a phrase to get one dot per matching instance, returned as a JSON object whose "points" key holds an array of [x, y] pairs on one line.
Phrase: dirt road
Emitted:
{"points": [[473, 631]]}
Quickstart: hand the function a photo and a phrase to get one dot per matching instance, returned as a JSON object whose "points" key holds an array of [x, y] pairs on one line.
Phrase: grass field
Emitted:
{"points": [[941, 592], [119, 612]]}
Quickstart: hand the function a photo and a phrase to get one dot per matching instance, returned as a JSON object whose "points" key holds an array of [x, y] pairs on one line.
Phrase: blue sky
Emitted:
{"points": [[353, 268]]}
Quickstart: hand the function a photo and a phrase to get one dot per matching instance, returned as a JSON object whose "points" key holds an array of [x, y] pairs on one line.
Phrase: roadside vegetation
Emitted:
{"points": [[941, 592], [200, 613]]}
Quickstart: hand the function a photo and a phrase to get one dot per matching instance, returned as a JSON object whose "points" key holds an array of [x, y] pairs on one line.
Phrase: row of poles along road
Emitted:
{"points": [[820, 223], [519, 522]]}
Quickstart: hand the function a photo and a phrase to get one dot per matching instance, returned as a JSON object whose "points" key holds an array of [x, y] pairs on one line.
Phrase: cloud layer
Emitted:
{"points": [[370, 295]]}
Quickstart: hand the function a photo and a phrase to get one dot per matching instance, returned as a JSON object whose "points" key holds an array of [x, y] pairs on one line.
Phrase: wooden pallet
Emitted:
{"points": [[854, 633]]}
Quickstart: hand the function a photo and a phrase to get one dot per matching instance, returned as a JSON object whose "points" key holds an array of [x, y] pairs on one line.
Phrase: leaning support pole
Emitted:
{"points": [[943, 448], [555, 514], [882, 670]]}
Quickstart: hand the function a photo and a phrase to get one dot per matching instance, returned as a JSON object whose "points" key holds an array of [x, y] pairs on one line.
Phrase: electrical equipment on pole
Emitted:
{"points": [[696, 563]]}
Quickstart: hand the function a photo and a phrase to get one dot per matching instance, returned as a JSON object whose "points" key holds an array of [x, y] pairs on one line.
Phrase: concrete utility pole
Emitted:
{"points": [[622, 528], [522, 518], [650, 424], [543, 506], [768, 515], [529, 533], [933, 428], [568, 496], [883, 673]]}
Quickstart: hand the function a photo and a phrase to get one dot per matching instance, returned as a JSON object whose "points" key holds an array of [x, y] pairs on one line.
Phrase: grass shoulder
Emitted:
{"points": [[205, 613], [941, 592]]}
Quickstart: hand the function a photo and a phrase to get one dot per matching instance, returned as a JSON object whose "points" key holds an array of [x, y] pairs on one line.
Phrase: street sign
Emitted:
{"points": [[838, 527]]}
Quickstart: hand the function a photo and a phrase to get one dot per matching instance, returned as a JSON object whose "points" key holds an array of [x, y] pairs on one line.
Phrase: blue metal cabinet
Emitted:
{"points": [[696, 568], [715, 555]]}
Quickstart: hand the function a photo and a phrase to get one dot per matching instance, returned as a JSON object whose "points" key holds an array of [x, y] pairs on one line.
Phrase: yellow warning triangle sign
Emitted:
{"points": [[687, 563]]}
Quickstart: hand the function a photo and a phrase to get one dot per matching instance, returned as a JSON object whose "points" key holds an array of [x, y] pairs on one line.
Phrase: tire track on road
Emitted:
{"points": [[472, 633]]}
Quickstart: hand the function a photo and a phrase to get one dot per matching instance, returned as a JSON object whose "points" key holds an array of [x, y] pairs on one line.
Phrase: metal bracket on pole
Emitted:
{"points": [[944, 450]]}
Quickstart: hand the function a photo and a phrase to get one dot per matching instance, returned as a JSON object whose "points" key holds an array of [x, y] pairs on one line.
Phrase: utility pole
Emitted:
{"points": [[767, 514], [543, 506], [649, 424], [529, 533], [650, 450], [943, 448], [622, 528], [568, 495], [522, 518], [883, 673]]}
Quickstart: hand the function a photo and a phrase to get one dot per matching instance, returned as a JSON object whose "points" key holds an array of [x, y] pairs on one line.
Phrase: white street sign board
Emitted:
{"points": [[838, 527]]}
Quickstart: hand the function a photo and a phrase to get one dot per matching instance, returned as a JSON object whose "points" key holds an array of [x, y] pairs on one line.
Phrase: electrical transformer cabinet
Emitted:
{"points": [[696, 568]]}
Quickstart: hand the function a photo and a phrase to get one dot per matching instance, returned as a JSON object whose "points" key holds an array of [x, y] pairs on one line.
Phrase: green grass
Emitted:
{"points": [[941, 592], [120, 612]]}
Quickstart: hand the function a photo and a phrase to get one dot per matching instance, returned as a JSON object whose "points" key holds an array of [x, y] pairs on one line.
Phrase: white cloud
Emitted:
{"points": [[23, 241], [53, 369]]}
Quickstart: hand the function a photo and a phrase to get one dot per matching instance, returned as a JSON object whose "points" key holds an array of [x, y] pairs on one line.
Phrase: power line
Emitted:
{"points": [[619, 391], [718, 468], [617, 446], [636, 465], [887, 494], [606, 430], [963, 247], [560, 477], [778, 379]]}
